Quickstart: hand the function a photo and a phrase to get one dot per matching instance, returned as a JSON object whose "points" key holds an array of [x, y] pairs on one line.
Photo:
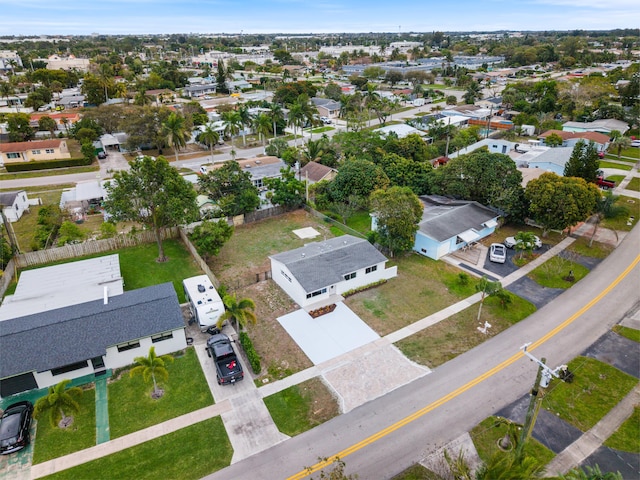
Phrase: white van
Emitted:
{"points": [[205, 303]]}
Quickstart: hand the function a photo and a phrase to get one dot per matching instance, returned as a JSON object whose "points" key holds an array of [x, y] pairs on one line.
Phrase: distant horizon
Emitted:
{"points": [[34, 18]]}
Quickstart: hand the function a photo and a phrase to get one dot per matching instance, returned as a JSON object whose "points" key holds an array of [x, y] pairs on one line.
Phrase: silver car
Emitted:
{"points": [[510, 242]]}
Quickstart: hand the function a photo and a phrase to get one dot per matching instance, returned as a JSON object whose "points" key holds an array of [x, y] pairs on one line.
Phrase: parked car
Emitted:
{"points": [[14, 427], [510, 242], [635, 143], [228, 367], [325, 120], [102, 155], [497, 253]]}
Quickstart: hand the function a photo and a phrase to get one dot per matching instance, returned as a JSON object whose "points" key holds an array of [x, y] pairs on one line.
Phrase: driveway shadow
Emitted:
{"points": [[534, 292]]}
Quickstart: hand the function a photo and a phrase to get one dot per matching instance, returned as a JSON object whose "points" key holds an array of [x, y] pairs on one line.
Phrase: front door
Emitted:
{"points": [[98, 366]]}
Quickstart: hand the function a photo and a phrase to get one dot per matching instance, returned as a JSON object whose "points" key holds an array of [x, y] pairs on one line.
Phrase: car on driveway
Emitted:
{"points": [[635, 143], [102, 155], [497, 253], [14, 427], [510, 242]]}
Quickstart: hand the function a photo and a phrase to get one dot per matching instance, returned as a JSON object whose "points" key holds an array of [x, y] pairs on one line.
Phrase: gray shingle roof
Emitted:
{"points": [[72, 334], [442, 222], [319, 264]]}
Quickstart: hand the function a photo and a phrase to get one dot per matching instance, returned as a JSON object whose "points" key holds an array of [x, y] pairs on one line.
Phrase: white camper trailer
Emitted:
{"points": [[205, 303]]}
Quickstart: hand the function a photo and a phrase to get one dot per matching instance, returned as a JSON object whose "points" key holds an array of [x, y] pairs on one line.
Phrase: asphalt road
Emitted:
{"points": [[387, 435]]}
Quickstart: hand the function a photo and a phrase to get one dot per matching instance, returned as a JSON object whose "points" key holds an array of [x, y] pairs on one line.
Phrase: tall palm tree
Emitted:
{"points": [[210, 138], [175, 131], [232, 123], [58, 399], [370, 98], [277, 115], [142, 99], [262, 126], [296, 118], [605, 208], [152, 366], [620, 143], [5, 90], [240, 311], [245, 121]]}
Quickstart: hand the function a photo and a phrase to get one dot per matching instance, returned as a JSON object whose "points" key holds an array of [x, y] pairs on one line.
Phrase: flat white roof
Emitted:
{"points": [[58, 286]]}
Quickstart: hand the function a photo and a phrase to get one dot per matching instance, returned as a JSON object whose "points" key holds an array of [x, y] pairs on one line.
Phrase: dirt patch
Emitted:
{"points": [[323, 406]]}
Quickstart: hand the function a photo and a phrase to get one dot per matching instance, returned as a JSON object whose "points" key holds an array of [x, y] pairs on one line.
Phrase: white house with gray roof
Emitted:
{"points": [[319, 270]]}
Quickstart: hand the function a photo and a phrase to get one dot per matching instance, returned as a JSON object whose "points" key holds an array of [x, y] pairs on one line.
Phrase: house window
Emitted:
{"points": [[35, 152], [123, 347], [162, 337], [285, 275], [316, 293], [68, 368], [371, 269], [13, 155], [49, 150], [349, 276]]}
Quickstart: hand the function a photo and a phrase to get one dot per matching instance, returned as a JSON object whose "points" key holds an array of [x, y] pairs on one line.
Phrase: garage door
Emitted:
{"points": [[17, 384]]}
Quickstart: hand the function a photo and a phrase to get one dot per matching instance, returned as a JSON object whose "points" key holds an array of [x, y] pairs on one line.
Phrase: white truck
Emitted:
{"points": [[205, 303]]}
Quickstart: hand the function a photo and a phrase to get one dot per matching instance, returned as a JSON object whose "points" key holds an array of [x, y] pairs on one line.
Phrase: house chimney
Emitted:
{"points": [[106, 295]]}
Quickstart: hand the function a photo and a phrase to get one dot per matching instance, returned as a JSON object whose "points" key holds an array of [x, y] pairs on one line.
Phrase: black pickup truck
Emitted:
{"points": [[228, 367]]}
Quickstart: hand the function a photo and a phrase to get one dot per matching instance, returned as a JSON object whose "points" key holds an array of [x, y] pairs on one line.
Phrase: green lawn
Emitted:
{"points": [[627, 437], [615, 178], [417, 472], [596, 250], [360, 221], [634, 184], [633, 152], [621, 159], [597, 387], [630, 333], [131, 407], [50, 173], [554, 272], [631, 207], [52, 442], [296, 409], [619, 166], [190, 453]]}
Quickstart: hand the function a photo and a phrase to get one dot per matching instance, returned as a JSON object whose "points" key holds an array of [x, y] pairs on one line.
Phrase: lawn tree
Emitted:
{"points": [[619, 142], [357, 177], [18, 127], [47, 124], [151, 367], [153, 193], [222, 75], [557, 202], [606, 208], [262, 126], [143, 125], [231, 188], [175, 131], [525, 241], [210, 138], [397, 211], [584, 162], [286, 190], [58, 401], [210, 236], [491, 289], [241, 312], [403, 172]]}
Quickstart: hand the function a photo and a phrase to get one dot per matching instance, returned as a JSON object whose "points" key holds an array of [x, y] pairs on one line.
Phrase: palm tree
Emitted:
{"points": [[525, 241], [606, 208], [245, 121], [590, 473], [175, 132], [57, 400], [277, 115], [209, 137], [620, 143], [239, 311], [262, 126], [232, 122], [370, 98], [5, 90], [142, 99], [150, 367], [296, 118]]}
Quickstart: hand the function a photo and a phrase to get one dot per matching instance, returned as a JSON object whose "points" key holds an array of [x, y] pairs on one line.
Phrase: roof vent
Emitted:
{"points": [[201, 288], [303, 254]]}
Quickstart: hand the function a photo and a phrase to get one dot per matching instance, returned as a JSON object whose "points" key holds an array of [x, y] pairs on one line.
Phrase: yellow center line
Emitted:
{"points": [[480, 378]]}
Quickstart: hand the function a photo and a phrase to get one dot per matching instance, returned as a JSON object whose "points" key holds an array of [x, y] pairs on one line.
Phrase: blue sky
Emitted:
{"points": [[74, 17]]}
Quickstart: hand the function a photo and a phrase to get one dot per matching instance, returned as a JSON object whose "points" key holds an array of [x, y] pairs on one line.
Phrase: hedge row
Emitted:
{"points": [[47, 164], [252, 355], [353, 291]]}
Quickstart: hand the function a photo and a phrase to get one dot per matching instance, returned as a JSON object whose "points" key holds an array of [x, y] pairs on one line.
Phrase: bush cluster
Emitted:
{"points": [[47, 164], [252, 355], [353, 291]]}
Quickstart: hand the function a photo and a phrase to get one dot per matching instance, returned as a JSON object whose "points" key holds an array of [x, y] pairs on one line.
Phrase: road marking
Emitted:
{"points": [[459, 391]]}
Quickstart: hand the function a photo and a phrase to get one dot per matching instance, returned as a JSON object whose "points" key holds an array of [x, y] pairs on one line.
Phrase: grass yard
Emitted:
{"points": [[615, 178], [94, 167], [596, 250], [131, 407], [630, 333], [634, 184], [620, 222], [417, 472], [619, 166], [609, 156], [627, 437], [52, 442], [597, 387], [190, 453], [554, 273], [633, 152], [457, 334], [301, 407], [360, 221], [487, 433]]}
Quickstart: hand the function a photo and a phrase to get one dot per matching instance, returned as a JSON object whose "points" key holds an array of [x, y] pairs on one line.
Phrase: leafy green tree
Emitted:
{"points": [[554, 140], [175, 130], [287, 190], [403, 172], [151, 367], [357, 177], [241, 312], [560, 202], [58, 400], [108, 230], [398, 211], [231, 188], [584, 162], [210, 138], [333, 91], [393, 76], [69, 233], [48, 224], [276, 147], [47, 124], [152, 193], [525, 242], [88, 150], [210, 236], [222, 75], [451, 100], [18, 127], [488, 289]]}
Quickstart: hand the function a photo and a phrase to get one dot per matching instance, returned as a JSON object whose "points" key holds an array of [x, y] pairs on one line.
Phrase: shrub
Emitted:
{"points": [[252, 355], [463, 279], [69, 233], [108, 230], [46, 164]]}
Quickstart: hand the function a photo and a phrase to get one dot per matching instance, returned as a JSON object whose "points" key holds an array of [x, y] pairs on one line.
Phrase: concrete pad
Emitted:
{"points": [[307, 232], [329, 335]]}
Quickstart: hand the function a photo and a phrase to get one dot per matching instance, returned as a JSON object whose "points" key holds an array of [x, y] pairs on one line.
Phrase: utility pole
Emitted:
{"points": [[543, 378]]}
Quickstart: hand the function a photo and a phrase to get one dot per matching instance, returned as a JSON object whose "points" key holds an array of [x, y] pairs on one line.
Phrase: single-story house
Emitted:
{"points": [[60, 118], [321, 270], [162, 95], [314, 172], [402, 130], [605, 126], [39, 349], [260, 169], [569, 139], [18, 152], [195, 91], [546, 158], [448, 225], [327, 107], [14, 204]]}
